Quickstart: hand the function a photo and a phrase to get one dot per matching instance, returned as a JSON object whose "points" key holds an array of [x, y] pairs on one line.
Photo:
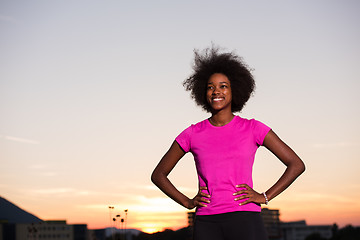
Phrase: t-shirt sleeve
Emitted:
{"points": [[183, 139], [259, 130]]}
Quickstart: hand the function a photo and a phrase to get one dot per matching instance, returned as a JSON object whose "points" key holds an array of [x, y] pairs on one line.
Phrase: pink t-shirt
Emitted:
{"points": [[224, 158]]}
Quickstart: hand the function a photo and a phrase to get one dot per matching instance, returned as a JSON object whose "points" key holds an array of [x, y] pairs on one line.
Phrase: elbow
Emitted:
{"points": [[154, 177], [301, 167], [297, 167]]}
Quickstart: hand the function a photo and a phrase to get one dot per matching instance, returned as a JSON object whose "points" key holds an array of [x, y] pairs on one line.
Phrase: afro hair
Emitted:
{"points": [[210, 61]]}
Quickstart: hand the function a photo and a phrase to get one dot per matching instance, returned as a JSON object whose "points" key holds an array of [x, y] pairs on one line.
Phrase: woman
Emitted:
{"points": [[224, 146]]}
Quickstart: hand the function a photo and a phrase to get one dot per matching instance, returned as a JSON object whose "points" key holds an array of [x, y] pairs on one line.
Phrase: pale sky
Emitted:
{"points": [[91, 98]]}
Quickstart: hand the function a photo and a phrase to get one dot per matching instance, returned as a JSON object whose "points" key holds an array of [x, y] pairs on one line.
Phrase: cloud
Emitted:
{"points": [[54, 191], [4, 18], [339, 144], [148, 187], [17, 139], [38, 166], [49, 174], [94, 206], [155, 205], [154, 188], [41, 169], [323, 198], [144, 205], [57, 192], [4, 185]]}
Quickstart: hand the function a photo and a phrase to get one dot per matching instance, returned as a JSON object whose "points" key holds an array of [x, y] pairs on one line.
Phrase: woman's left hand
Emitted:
{"points": [[249, 194]]}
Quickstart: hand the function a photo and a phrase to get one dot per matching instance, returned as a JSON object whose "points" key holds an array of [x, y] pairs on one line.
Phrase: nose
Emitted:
{"points": [[216, 90]]}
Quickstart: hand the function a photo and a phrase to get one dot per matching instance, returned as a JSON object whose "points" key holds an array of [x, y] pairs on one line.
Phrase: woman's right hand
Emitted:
{"points": [[200, 199]]}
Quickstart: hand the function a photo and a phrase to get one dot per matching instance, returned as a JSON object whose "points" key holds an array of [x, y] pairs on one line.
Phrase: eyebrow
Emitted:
{"points": [[219, 82]]}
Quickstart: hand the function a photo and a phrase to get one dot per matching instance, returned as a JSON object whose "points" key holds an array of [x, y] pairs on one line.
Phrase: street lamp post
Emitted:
{"points": [[111, 226], [126, 212], [118, 216]]}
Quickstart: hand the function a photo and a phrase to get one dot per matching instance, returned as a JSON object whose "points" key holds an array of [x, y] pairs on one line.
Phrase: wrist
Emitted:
{"points": [[266, 198], [189, 204]]}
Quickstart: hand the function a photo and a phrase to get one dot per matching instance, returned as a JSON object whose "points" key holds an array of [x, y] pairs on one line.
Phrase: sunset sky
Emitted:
{"points": [[91, 98]]}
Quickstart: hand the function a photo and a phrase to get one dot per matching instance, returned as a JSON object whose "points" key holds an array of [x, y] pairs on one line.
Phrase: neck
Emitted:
{"points": [[221, 118]]}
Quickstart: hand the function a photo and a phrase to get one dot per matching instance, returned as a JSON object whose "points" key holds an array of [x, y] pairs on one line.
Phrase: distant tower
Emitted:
{"points": [[191, 217], [271, 219]]}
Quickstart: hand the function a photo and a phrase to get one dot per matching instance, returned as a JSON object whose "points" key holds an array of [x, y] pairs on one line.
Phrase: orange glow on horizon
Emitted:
{"points": [[146, 215], [143, 227], [313, 214], [144, 221], [151, 228]]}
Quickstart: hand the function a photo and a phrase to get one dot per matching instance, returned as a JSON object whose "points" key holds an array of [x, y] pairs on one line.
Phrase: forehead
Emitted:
{"points": [[217, 78]]}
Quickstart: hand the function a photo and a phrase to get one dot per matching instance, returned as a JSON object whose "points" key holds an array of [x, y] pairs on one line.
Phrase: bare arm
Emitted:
{"points": [[294, 167], [160, 178]]}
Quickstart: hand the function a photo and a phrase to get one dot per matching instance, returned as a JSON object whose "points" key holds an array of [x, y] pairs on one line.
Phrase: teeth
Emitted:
{"points": [[217, 99]]}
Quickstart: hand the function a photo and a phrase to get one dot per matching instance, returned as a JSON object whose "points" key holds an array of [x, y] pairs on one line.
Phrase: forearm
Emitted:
{"points": [[165, 185], [291, 173], [294, 165], [160, 175]]}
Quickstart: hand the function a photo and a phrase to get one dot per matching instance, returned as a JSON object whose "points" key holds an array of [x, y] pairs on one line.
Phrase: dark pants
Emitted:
{"points": [[230, 226]]}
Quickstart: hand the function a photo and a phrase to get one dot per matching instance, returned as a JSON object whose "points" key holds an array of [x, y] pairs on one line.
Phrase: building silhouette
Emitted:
{"points": [[278, 230], [299, 230], [191, 218], [271, 219], [45, 230]]}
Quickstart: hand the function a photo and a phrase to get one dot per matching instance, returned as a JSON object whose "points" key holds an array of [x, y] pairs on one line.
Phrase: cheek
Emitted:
{"points": [[208, 99], [229, 93]]}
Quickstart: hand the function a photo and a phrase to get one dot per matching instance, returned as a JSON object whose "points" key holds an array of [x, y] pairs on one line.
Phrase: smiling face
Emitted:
{"points": [[218, 93]]}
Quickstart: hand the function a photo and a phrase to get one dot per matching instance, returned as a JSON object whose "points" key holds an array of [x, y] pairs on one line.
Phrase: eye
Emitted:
{"points": [[210, 87], [223, 86]]}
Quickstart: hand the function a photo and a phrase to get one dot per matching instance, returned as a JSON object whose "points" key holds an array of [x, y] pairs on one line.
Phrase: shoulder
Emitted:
{"points": [[250, 123], [245, 122], [200, 125], [258, 130], [196, 127], [184, 139]]}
